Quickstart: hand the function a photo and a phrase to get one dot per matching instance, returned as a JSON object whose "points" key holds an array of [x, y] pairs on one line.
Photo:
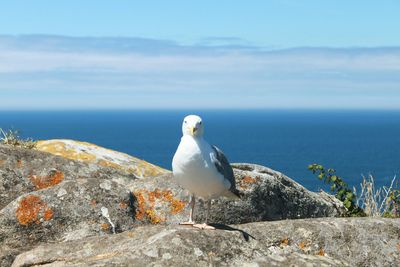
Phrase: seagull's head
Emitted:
{"points": [[193, 125]]}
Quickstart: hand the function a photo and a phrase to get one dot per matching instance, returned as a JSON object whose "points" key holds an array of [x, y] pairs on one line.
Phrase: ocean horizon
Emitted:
{"points": [[355, 143]]}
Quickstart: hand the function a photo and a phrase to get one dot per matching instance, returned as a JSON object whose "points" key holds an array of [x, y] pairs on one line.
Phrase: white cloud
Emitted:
{"points": [[51, 67]]}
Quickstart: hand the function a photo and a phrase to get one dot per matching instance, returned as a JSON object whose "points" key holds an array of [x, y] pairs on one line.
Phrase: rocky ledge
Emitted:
{"points": [[67, 211], [304, 242]]}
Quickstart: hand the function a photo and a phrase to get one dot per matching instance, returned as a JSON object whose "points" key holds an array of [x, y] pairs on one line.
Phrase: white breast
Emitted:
{"points": [[192, 168]]}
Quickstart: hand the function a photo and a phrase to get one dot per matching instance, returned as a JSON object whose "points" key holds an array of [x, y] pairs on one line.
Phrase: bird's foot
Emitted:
{"points": [[191, 223], [204, 226]]}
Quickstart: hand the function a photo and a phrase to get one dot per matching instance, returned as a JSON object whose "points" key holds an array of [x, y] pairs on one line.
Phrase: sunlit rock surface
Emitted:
{"points": [[91, 153], [55, 205], [304, 242]]}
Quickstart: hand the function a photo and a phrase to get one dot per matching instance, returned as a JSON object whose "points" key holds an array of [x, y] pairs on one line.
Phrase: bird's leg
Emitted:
{"points": [[205, 225], [192, 203], [208, 210]]}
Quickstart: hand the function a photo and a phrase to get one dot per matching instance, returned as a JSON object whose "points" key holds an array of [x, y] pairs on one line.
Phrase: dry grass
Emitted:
{"points": [[12, 138], [378, 202]]}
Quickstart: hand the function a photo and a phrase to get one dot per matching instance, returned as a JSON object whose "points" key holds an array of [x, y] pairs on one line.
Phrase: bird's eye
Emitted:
{"points": [[185, 121], [200, 123]]}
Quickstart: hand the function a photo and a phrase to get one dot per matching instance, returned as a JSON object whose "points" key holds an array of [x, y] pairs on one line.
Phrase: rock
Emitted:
{"points": [[67, 211], [44, 197], [266, 195], [304, 242], [26, 170], [47, 198], [91, 153]]}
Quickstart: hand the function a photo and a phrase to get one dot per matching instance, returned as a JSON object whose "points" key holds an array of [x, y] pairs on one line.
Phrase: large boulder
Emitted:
{"points": [[87, 152], [265, 195], [68, 211], [26, 170], [307, 242], [48, 198]]}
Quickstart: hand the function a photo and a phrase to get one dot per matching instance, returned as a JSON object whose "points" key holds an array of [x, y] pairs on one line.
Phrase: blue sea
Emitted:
{"points": [[352, 142]]}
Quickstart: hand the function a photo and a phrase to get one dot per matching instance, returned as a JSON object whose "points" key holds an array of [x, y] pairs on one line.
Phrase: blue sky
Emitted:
{"points": [[201, 54]]}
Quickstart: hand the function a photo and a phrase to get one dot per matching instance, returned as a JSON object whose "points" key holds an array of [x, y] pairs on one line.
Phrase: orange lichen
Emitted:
{"points": [[123, 205], [147, 201], [243, 186], [302, 245], [285, 242], [93, 203], [321, 252], [105, 226], [2, 162], [176, 204], [140, 212], [249, 180], [398, 246], [48, 214], [154, 194], [167, 195], [40, 182], [30, 208]]}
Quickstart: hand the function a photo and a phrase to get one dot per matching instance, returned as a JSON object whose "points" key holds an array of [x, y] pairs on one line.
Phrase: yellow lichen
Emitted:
{"points": [[106, 163], [154, 219], [79, 151], [60, 149]]}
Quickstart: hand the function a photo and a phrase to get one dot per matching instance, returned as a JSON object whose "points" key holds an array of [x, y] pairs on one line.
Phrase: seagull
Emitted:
{"points": [[201, 168]]}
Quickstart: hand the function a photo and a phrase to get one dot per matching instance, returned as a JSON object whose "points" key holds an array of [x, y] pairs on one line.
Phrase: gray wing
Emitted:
{"points": [[223, 167]]}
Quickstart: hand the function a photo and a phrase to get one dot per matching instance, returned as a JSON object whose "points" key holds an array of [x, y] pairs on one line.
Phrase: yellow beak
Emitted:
{"points": [[193, 130]]}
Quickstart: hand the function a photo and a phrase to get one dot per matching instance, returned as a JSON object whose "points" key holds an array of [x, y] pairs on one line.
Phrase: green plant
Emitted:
{"points": [[393, 204], [339, 187], [12, 138]]}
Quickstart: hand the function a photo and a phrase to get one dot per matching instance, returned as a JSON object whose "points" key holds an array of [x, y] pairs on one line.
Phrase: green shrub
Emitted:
{"points": [[339, 187], [393, 204]]}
